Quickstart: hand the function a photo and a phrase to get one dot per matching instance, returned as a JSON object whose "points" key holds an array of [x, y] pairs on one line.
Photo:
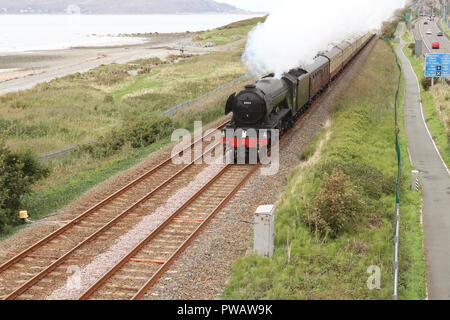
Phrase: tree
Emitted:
{"points": [[18, 172]]}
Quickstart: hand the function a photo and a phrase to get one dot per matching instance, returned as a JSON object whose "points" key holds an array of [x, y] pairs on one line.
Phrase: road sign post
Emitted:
{"points": [[437, 65]]}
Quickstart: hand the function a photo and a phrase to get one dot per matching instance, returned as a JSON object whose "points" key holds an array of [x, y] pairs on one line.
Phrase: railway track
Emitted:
{"points": [[32, 273], [106, 221], [141, 268]]}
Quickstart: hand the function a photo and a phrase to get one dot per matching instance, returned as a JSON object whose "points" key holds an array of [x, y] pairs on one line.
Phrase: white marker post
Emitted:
{"points": [[264, 231], [415, 183]]}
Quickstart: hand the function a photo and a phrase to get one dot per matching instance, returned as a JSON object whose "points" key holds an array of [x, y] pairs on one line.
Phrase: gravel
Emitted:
{"points": [[40, 229], [105, 261]]}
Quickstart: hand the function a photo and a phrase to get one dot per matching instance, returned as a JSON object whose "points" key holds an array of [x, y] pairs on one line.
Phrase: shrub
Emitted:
{"points": [[426, 83], [412, 47], [18, 172], [369, 179], [308, 152], [336, 206], [137, 134], [145, 132], [109, 99]]}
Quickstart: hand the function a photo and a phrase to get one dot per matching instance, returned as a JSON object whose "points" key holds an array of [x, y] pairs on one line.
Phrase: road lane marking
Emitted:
{"points": [[421, 112]]}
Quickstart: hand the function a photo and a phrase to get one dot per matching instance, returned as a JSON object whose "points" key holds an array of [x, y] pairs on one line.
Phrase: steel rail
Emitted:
{"points": [[151, 282], [28, 284], [119, 265], [166, 264], [99, 205]]}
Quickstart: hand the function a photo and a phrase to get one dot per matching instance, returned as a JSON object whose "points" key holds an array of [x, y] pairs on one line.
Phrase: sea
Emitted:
{"points": [[28, 32]]}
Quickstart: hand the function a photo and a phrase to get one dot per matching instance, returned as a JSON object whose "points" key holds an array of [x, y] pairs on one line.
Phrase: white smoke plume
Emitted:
{"points": [[297, 30]]}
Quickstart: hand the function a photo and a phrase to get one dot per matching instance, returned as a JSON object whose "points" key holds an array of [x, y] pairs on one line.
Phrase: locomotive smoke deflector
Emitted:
{"points": [[231, 102]]}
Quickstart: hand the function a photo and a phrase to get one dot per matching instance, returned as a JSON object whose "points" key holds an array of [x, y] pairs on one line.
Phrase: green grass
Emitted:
{"points": [[76, 173], [229, 33], [307, 266], [444, 27], [53, 197], [435, 103], [85, 107]]}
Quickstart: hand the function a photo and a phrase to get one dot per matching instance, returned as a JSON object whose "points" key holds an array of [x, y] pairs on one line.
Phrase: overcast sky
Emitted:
{"points": [[253, 5]]}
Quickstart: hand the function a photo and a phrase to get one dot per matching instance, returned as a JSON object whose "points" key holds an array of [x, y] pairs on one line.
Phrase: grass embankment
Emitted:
{"points": [[83, 107], [229, 33], [116, 105], [444, 27], [352, 175], [435, 101]]}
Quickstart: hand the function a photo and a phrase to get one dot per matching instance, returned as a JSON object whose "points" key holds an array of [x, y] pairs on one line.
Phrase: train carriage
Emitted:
{"points": [[346, 52], [335, 55], [359, 43], [275, 103], [354, 47], [319, 75]]}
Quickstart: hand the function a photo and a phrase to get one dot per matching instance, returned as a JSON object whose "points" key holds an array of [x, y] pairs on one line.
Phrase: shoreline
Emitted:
{"points": [[24, 69], [56, 32], [35, 67]]}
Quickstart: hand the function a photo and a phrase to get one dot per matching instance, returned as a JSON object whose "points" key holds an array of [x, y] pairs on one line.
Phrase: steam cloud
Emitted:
{"points": [[295, 32]]}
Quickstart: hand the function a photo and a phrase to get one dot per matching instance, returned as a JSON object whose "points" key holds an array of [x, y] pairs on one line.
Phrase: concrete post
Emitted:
{"points": [[415, 183], [264, 231]]}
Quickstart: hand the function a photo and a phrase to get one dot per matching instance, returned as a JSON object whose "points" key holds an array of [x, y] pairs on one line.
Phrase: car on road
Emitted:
{"points": [[429, 32], [426, 22], [436, 45], [440, 34]]}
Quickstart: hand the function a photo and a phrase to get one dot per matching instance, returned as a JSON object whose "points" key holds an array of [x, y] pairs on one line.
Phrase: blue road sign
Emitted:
{"points": [[437, 65]]}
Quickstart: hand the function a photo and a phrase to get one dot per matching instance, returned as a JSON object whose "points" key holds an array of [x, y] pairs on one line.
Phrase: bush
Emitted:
{"points": [[412, 47], [309, 151], [426, 82], [137, 134], [369, 179], [109, 99], [336, 206], [18, 172], [145, 132]]}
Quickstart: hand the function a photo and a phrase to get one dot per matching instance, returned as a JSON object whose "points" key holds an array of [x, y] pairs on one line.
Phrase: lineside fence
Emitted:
{"points": [[183, 105], [53, 154], [398, 183]]}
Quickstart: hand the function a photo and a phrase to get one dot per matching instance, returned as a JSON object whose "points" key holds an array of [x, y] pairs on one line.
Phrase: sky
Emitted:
{"points": [[253, 5]]}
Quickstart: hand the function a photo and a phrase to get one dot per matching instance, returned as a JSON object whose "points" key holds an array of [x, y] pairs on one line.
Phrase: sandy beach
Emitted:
{"points": [[31, 68]]}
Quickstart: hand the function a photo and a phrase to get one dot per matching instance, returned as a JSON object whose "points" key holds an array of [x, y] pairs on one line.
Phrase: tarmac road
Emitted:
{"points": [[435, 178], [429, 39]]}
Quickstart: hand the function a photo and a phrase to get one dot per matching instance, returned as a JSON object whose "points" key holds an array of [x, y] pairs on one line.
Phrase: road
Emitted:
{"points": [[435, 178], [429, 39]]}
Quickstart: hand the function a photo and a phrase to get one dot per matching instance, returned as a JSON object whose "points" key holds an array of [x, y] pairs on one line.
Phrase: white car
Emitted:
{"points": [[429, 32]]}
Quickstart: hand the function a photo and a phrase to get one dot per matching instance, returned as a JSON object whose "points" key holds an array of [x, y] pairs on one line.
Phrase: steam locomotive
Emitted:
{"points": [[273, 103]]}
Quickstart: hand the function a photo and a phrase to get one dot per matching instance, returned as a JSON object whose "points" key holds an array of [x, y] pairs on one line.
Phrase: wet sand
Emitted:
{"points": [[31, 68]]}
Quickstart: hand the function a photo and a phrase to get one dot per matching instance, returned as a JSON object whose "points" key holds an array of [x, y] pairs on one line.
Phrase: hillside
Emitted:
{"points": [[116, 6]]}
